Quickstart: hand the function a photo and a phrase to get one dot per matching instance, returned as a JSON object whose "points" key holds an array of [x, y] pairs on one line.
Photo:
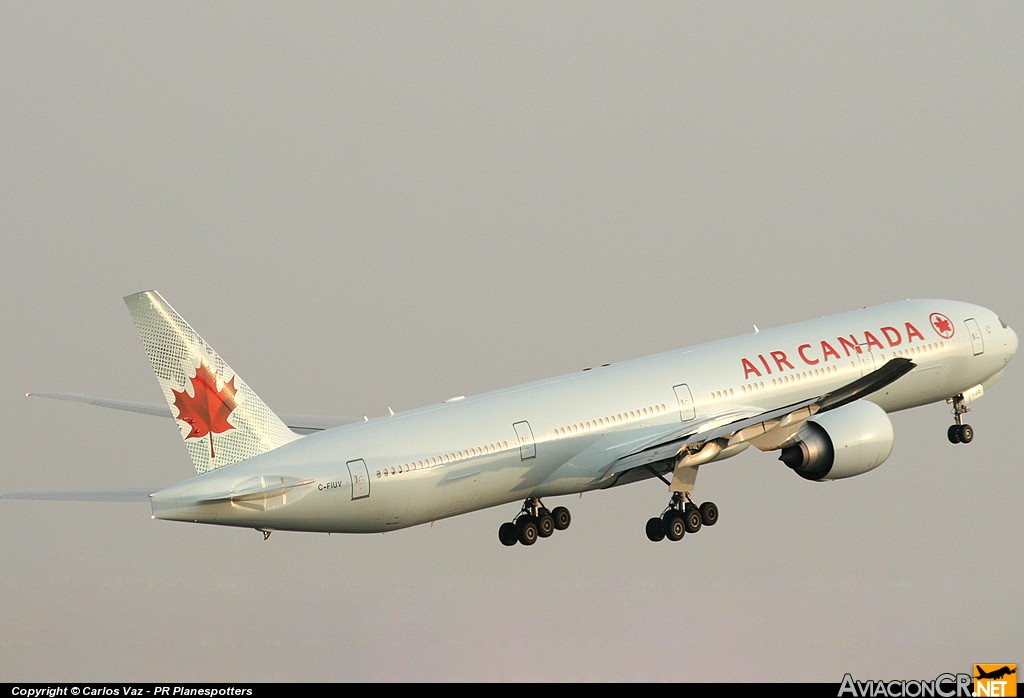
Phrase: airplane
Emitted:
{"points": [[997, 674], [817, 392]]}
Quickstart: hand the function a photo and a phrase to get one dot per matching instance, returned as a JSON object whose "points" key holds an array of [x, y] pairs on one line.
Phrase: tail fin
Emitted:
{"points": [[220, 418]]}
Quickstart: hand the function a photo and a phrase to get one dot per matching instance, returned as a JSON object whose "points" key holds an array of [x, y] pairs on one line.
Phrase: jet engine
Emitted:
{"points": [[843, 442]]}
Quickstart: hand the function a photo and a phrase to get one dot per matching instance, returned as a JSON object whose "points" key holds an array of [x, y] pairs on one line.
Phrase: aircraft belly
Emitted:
{"points": [[393, 502]]}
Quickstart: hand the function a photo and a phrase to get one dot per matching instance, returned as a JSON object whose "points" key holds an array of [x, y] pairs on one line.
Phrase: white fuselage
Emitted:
{"points": [[566, 434]]}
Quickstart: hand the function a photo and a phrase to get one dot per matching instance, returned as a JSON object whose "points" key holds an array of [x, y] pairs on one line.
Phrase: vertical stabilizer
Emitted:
{"points": [[220, 418]]}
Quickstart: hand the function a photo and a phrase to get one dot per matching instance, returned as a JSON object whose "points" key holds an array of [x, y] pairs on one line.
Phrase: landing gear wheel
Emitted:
{"points": [[675, 529], [526, 528], [655, 530], [960, 433], [692, 520], [561, 517], [533, 521], [545, 523], [708, 513], [507, 533]]}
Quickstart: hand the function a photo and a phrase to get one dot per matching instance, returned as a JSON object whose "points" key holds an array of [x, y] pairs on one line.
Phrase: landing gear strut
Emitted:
{"points": [[532, 522], [960, 433], [681, 516]]}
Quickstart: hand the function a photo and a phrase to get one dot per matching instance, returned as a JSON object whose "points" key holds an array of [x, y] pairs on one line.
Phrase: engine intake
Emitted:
{"points": [[847, 441]]}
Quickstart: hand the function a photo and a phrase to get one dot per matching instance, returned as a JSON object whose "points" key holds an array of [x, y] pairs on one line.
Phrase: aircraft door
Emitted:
{"points": [[685, 398], [977, 343], [527, 447], [867, 359], [360, 479]]}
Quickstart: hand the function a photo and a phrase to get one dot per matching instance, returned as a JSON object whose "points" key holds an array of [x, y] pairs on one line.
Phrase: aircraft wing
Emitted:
{"points": [[299, 423], [766, 430]]}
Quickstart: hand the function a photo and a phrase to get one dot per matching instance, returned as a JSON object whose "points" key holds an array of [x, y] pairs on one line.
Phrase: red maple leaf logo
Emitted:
{"points": [[942, 325], [207, 410]]}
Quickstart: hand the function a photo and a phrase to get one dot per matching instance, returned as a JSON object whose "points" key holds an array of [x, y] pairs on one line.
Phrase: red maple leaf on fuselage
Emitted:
{"points": [[943, 326], [207, 409]]}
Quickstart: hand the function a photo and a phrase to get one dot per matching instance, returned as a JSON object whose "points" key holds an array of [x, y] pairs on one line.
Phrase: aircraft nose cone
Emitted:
{"points": [[1011, 342]]}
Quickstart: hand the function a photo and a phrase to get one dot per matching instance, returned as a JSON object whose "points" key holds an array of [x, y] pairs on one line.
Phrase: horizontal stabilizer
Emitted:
{"points": [[150, 408], [129, 495], [299, 423]]}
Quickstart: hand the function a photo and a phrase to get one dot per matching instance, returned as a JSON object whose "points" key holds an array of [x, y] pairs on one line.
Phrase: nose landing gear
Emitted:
{"points": [[960, 433]]}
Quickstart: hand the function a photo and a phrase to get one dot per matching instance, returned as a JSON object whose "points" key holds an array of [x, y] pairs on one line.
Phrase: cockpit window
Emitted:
{"points": [[1003, 323]]}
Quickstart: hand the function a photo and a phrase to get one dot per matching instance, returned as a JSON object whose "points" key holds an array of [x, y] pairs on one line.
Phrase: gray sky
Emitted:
{"points": [[364, 205]]}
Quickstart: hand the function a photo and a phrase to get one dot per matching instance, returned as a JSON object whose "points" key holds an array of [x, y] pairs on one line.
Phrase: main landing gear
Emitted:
{"points": [[960, 433], [532, 522], [681, 518]]}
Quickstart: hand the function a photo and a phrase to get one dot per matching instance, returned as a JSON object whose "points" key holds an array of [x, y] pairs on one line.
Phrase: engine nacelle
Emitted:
{"points": [[847, 441]]}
